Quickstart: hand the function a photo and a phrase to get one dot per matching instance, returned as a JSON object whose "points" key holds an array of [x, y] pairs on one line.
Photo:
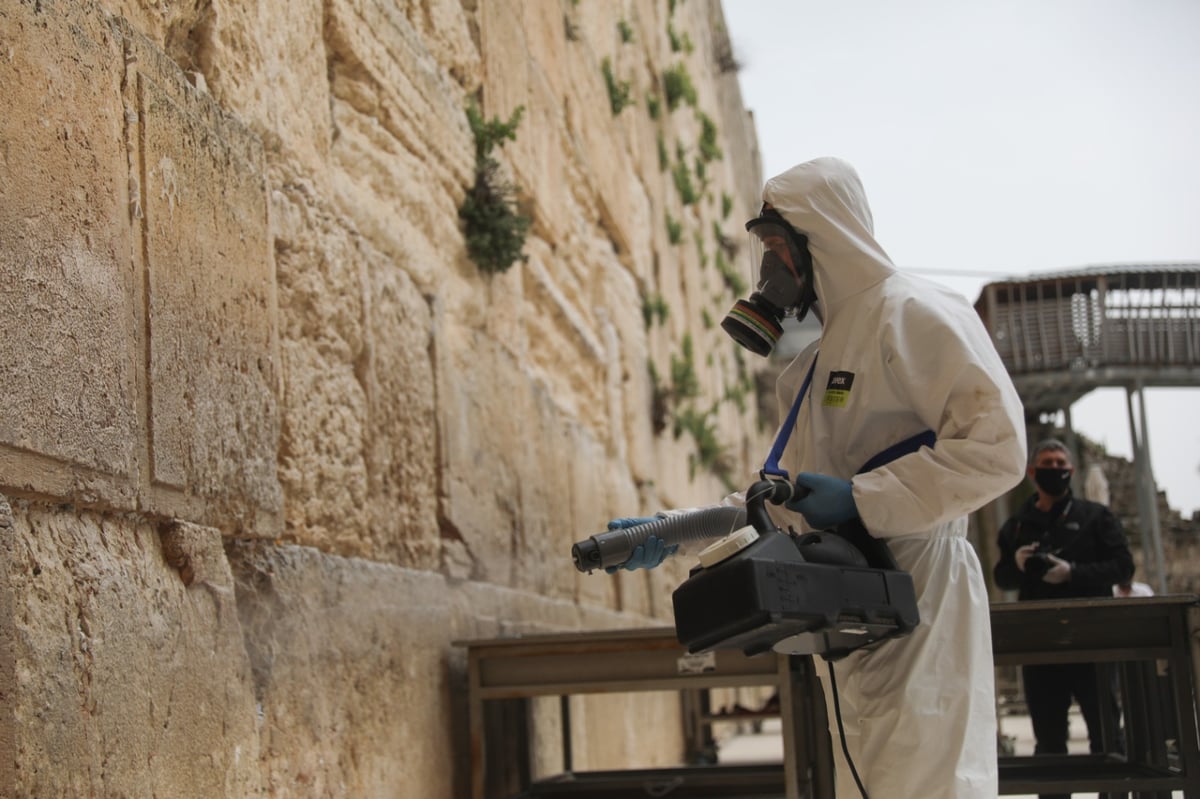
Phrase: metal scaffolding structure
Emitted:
{"points": [[1132, 326]]}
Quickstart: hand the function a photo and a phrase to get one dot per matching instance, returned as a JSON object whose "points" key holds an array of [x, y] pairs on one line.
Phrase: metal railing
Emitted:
{"points": [[1146, 316]]}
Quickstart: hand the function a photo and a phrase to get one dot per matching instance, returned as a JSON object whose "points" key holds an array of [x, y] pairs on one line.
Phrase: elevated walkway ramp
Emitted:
{"points": [[1063, 334]]}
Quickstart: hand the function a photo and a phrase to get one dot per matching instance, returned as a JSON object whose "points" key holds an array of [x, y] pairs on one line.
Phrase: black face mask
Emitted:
{"points": [[1054, 482]]}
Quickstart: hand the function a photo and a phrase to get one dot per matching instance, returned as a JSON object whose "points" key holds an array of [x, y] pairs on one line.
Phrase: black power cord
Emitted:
{"points": [[837, 711]]}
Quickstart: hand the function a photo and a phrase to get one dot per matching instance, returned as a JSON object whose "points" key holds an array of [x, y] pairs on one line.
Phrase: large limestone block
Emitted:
{"points": [[264, 62], [348, 658], [480, 442], [211, 305], [542, 28], [630, 394], [402, 451], [323, 405], [358, 452], [561, 495], [593, 130], [322, 464], [69, 307], [512, 470], [570, 144], [121, 680], [563, 349], [532, 75], [403, 153]]}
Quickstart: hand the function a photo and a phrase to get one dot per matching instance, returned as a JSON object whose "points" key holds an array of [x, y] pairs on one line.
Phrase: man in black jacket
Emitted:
{"points": [[1058, 546]]}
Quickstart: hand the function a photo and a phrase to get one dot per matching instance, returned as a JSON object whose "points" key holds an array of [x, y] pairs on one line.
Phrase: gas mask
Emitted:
{"points": [[784, 284]]}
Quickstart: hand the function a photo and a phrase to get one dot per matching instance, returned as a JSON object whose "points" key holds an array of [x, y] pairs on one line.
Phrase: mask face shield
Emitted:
{"points": [[783, 284]]}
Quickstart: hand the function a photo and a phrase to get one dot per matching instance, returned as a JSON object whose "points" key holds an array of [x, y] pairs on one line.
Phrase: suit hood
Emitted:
{"points": [[824, 199]]}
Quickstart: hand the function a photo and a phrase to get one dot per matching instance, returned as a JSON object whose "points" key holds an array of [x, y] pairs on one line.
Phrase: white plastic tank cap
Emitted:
{"points": [[728, 546]]}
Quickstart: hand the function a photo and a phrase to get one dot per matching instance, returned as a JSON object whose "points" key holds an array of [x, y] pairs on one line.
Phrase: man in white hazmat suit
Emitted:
{"points": [[900, 360]]}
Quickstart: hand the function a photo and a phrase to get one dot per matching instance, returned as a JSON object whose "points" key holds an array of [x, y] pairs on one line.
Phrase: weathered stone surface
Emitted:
{"points": [[125, 681], [8, 655], [69, 307], [402, 149], [321, 272], [211, 309], [401, 451], [481, 489], [383, 640], [377, 635], [244, 312]]}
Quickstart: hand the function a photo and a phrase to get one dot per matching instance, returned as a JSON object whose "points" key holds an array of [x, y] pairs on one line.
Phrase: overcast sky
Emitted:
{"points": [[1001, 138]]}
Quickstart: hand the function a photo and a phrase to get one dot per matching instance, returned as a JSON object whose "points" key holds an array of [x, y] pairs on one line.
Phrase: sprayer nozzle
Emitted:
{"points": [[586, 555]]}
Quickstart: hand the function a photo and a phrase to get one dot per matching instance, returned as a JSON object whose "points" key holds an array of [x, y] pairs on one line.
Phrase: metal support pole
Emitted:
{"points": [[1152, 495], [1135, 440], [1152, 551], [564, 711], [1072, 442]]}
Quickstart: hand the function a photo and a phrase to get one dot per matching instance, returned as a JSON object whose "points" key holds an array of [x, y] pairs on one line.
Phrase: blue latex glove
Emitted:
{"points": [[646, 555], [630, 521], [829, 502]]}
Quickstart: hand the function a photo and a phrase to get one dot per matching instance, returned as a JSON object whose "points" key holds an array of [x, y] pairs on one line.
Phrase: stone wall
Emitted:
{"points": [[1180, 536], [270, 442]]}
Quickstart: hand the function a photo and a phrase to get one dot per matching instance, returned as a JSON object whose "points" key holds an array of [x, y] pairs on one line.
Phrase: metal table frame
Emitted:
{"points": [[620, 661], [1147, 636]]}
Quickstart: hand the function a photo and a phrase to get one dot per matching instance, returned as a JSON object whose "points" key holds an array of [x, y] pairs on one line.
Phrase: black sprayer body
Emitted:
{"points": [[808, 594]]}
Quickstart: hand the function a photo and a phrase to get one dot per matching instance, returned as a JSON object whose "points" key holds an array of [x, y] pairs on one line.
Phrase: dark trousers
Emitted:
{"points": [[1049, 690]]}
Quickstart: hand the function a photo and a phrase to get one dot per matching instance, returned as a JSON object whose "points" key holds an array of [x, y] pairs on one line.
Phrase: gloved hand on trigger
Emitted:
{"points": [[830, 500], [646, 555]]}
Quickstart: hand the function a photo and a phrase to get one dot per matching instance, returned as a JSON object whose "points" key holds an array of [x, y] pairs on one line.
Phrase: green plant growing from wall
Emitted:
{"points": [[679, 43], [674, 230], [709, 149], [495, 228], [675, 401], [733, 280], [726, 205], [659, 400], [570, 27], [728, 246], [710, 453], [664, 157], [682, 177], [698, 239], [737, 395], [618, 90], [626, 31], [654, 308], [654, 106], [684, 383], [678, 87]]}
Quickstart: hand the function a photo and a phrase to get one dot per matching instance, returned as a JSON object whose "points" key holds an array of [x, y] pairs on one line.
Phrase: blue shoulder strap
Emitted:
{"points": [[771, 468]]}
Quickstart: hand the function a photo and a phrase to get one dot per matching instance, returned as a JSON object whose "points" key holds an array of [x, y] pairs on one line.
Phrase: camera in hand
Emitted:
{"points": [[1037, 564]]}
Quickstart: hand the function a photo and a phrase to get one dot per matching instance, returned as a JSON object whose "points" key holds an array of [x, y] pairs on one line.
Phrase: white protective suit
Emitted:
{"points": [[919, 711]]}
